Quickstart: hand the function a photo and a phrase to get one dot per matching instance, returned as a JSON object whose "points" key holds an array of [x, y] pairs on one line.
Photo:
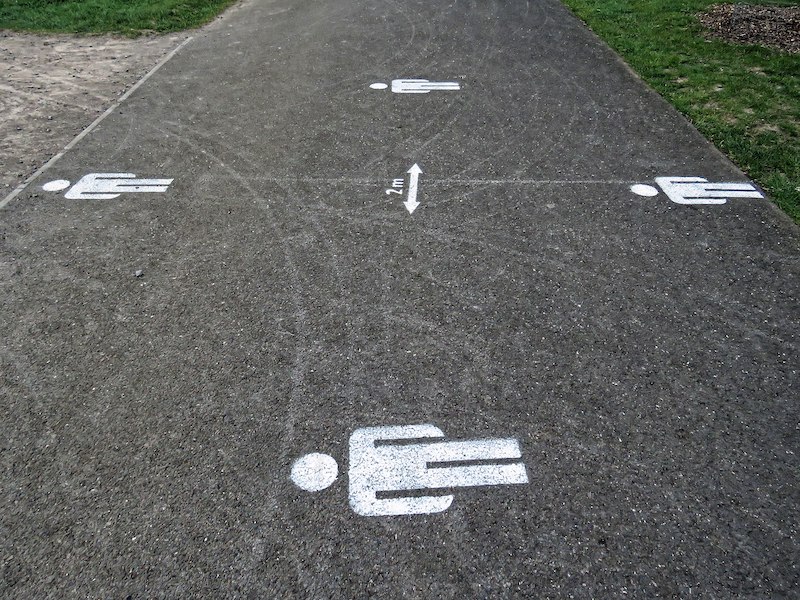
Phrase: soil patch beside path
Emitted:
{"points": [[776, 27], [53, 86]]}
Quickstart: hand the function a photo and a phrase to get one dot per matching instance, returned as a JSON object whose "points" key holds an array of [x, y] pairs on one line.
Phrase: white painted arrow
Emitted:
{"points": [[412, 204]]}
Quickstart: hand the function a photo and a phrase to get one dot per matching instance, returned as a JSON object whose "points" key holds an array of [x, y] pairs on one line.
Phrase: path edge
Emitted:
{"points": [[24, 185]]}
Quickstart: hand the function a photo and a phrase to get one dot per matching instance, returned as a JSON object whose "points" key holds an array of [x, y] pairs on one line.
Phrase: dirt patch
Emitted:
{"points": [[776, 27], [53, 87]]}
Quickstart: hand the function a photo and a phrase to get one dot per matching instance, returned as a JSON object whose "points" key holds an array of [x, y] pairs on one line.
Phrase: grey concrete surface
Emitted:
{"points": [[167, 357]]}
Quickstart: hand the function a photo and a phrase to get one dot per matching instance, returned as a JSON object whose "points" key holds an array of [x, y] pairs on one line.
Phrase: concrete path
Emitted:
{"points": [[250, 350]]}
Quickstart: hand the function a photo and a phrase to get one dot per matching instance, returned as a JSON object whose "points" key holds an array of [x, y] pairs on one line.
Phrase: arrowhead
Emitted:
{"points": [[415, 169], [411, 206]]}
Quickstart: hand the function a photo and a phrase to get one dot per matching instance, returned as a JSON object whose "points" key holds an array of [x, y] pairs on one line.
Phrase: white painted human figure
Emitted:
{"points": [[378, 466], [418, 86], [106, 186], [697, 190], [423, 86], [392, 467]]}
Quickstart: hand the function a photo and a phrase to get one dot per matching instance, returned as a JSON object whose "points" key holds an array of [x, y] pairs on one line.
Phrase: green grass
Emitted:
{"points": [[745, 99], [128, 17]]}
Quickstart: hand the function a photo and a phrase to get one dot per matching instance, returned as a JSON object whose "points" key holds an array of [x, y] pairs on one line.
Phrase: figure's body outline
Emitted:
{"points": [[394, 467]]}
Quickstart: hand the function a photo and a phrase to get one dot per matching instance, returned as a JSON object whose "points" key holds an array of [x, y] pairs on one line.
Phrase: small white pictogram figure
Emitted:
{"points": [[418, 86], [106, 186], [391, 468], [696, 190]]}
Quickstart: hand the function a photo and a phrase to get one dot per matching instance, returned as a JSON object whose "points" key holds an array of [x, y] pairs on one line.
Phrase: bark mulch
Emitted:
{"points": [[776, 27]]}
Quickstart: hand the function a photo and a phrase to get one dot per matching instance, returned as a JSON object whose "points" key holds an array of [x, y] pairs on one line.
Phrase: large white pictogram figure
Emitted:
{"points": [[393, 469]]}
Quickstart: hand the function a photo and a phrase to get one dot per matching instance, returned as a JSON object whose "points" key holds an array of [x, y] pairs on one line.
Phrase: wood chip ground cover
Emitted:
{"points": [[776, 27]]}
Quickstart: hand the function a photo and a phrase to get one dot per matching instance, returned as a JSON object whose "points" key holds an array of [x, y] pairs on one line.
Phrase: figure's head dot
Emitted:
{"points": [[641, 189], [379, 86], [56, 186], [314, 472]]}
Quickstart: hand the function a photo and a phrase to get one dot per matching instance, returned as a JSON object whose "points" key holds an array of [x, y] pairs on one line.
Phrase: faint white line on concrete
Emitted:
{"points": [[20, 188], [530, 181], [381, 180]]}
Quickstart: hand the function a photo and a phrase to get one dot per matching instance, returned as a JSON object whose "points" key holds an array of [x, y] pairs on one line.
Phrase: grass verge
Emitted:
{"points": [[745, 99], [127, 17]]}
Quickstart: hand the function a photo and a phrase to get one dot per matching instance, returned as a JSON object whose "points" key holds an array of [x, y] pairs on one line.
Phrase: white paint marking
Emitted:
{"points": [[447, 181], [418, 86], [411, 204], [385, 468], [106, 186], [458, 181], [402, 461], [19, 189], [644, 190], [696, 190], [314, 472], [397, 187], [56, 186]]}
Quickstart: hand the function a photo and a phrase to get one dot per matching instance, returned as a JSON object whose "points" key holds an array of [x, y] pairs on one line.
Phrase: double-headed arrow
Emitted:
{"points": [[411, 203]]}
